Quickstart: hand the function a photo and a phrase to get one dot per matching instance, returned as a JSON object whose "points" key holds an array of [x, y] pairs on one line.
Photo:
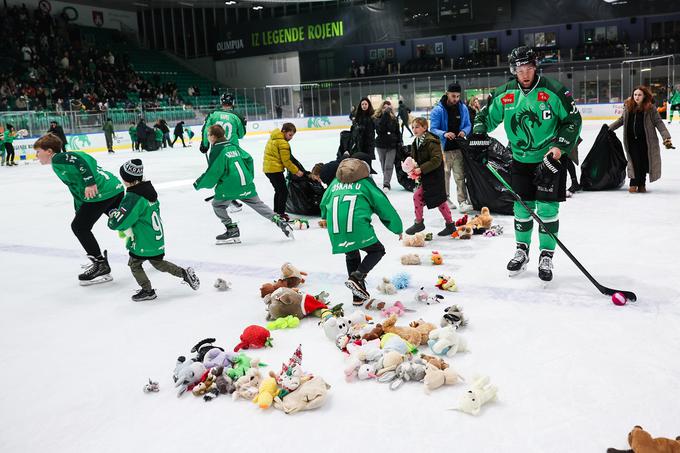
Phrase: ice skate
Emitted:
{"points": [[190, 278], [231, 236], [97, 272], [285, 226], [545, 266], [518, 263]]}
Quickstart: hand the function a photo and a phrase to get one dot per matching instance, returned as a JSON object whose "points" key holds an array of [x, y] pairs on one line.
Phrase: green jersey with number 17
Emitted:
{"points": [[230, 171], [348, 208], [79, 170], [230, 122], [534, 121]]}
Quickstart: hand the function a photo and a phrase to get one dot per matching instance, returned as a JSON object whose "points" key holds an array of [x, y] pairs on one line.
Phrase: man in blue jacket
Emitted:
{"points": [[450, 121]]}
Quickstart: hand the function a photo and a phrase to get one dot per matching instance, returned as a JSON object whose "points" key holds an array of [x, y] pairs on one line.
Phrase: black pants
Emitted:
{"points": [[181, 137], [404, 124], [374, 254], [86, 217], [9, 147], [640, 159], [280, 191], [572, 170]]}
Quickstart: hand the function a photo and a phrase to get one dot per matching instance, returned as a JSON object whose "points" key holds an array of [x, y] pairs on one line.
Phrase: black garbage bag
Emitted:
{"points": [[304, 196], [605, 166], [346, 147], [407, 183], [483, 187]]}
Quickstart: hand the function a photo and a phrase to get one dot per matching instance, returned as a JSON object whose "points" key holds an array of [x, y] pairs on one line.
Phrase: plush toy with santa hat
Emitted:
{"points": [[286, 301]]}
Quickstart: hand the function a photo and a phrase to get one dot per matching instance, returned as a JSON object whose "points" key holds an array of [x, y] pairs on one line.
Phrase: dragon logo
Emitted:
{"points": [[522, 124], [78, 142], [318, 121]]}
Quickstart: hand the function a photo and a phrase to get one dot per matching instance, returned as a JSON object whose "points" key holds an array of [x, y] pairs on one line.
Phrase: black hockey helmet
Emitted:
{"points": [[520, 56], [227, 99]]}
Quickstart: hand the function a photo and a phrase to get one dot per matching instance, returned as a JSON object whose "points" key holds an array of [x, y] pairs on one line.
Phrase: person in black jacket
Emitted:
{"points": [[363, 129], [389, 137], [163, 126], [179, 134], [57, 130]]}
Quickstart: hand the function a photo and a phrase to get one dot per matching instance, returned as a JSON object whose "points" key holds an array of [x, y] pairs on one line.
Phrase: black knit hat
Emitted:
{"points": [[454, 88], [132, 170]]}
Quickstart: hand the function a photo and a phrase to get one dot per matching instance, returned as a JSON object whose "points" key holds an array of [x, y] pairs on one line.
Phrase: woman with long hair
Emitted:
{"points": [[389, 137], [473, 108], [640, 121], [363, 129]]}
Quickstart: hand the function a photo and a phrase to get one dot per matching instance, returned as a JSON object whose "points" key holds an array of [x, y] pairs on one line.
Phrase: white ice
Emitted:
{"points": [[574, 372]]}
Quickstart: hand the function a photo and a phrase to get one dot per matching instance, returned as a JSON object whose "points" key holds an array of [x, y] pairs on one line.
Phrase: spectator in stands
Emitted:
{"points": [[450, 121], [403, 116], [64, 62], [214, 91], [387, 141], [473, 108], [57, 130], [190, 91], [363, 129], [640, 121], [109, 134], [179, 133]]}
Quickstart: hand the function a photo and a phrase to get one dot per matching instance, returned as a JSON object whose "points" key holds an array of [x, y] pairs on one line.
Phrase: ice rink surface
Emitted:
{"points": [[574, 372]]}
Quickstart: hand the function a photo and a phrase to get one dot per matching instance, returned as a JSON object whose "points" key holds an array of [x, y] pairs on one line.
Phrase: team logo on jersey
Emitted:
{"points": [[543, 96], [508, 99], [346, 244], [521, 125]]}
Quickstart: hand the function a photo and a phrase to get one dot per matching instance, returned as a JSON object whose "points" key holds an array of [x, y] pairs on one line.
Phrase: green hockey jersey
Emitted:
{"points": [[133, 133], [230, 171], [78, 170], [139, 215], [675, 97], [231, 122], [348, 208], [8, 137], [535, 121]]}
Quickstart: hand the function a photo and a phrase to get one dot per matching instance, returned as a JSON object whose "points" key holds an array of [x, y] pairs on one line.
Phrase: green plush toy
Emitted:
{"points": [[287, 322], [241, 364]]}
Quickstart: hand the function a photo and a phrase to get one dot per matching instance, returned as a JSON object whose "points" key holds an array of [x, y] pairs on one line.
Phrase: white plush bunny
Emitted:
{"points": [[480, 393], [446, 341]]}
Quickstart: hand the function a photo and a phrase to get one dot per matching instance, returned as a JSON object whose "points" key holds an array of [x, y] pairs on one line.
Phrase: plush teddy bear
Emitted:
{"points": [[407, 333], [481, 221], [310, 395], [417, 240], [335, 326], [435, 378], [409, 166], [386, 287], [453, 316], [642, 442], [291, 277], [206, 384], [436, 361], [479, 393], [424, 328], [446, 341], [267, 392], [323, 223], [374, 334], [410, 259], [397, 309], [247, 386], [222, 285], [285, 301]]}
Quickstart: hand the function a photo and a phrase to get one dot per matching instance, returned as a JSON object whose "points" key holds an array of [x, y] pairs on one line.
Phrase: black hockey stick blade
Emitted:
{"points": [[603, 289], [209, 198]]}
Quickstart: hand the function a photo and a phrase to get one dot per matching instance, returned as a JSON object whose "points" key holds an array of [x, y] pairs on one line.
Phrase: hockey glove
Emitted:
{"points": [[478, 147], [668, 144], [547, 171], [203, 148]]}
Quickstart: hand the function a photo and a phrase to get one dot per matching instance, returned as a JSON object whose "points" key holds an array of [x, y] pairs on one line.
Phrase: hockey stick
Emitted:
{"points": [[603, 289]]}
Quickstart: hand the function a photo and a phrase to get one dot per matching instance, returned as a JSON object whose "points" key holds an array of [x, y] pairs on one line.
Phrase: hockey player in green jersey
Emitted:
{"points": [[233, 124], [139, 216], [230, 171], [95, 192], [348, 204], [542, 124], [673, 104]]}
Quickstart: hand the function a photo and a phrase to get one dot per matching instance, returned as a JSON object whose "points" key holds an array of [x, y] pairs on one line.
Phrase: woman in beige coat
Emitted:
{"points": [[640, 120]]}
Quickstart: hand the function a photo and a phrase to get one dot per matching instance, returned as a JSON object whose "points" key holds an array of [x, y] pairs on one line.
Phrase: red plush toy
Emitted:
{"points": [[254, 337]]}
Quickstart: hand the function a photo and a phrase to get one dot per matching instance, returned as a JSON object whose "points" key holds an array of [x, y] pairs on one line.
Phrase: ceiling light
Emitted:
{"points": [[230, 2], [190, 5], [258, 7], [140, 4]]}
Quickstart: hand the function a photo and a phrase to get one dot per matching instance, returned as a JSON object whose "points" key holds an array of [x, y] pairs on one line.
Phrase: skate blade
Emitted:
{"points": [[228, 241], [546, 284], [358, 292], [96, 281], [512, 274]]}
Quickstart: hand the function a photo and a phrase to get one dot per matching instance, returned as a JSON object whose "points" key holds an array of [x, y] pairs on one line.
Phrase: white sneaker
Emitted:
{"points": [[465, 207], [450, 204]]}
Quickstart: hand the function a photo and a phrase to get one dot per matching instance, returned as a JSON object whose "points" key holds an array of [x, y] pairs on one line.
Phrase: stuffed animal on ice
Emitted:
{"points": [[424, 297], [495, 230], [223, 383], [411, 370], [482, 221], [396, 309], [291, 375], [401, 280], [248, 385], [187, 374], [242, 363], [310, 395], [417, 240], [410, 259], [409, 166], [374, 304], [424, 328], [436, 258], [393, 342], [406, 332], [386, 287], [254, 337], [479, 393], [335, 326], [446, 283], [453, 316], [446, 341], [642, 442], [267, 392], [222, 285], [436, 361], [285, 301], [463, 232], [435, 377], [389, 361], [291, 277], [374, 334], [217, 357], [206, 385], [201, 348], [301, 224], [363, 363], [289, 322]]}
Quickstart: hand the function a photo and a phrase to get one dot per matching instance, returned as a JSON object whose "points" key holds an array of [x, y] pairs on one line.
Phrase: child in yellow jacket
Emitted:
{"points": [[277, 158]]}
